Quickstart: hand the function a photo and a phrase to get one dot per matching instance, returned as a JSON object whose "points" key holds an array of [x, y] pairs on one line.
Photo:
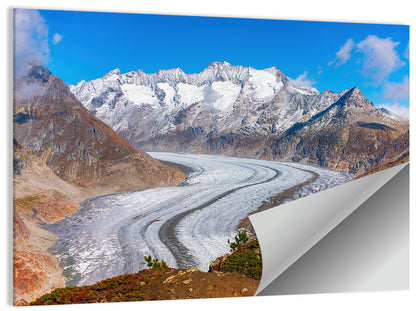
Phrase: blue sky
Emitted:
{"points": [[79, 45]]}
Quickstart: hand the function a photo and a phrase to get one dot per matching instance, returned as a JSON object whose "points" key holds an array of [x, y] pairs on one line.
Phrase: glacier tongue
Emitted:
{"points": [[186, 225]]}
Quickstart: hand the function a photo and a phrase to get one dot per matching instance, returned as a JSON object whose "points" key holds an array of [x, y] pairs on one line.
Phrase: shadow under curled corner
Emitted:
{"points": [[359, 242]]}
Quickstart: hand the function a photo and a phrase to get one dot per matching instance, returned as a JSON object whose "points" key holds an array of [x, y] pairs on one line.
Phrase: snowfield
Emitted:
{"points": [[187, 225]]}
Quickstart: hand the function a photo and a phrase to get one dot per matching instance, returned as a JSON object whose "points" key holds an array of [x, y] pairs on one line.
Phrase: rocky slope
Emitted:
{"points": [[80, 149], [403, 158], [241, 111], [62, 155], [350, 135]]}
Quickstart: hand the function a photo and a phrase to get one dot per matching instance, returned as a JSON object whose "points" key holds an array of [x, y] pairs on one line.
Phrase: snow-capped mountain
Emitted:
{"points": [[225, 109], [227, 96]]}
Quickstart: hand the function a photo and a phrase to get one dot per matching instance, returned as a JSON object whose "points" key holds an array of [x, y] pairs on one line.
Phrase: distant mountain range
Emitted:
{"points": [[241, 111]]}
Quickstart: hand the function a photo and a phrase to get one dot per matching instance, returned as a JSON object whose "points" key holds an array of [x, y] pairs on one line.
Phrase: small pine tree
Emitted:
{"points": [[155, 263], [148, 259], [240, 238]]}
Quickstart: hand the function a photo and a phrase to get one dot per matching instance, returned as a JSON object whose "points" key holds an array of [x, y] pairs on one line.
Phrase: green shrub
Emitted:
{"points": [[247, 261], [155, 263]]}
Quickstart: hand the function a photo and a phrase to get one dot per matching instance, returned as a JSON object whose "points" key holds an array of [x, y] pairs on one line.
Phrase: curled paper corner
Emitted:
{"points": [[290, 230]]}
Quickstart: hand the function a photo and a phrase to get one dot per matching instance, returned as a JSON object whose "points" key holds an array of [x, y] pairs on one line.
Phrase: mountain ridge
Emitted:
{"points": [[241, 111]]}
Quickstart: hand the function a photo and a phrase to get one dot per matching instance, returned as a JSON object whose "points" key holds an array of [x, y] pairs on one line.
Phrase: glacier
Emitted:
{"points": [[187, 225]]}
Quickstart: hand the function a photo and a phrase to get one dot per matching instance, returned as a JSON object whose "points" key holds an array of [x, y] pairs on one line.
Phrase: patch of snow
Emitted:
{"points": [[227, 95], [190, 93], [264, 83], [140, 94]]}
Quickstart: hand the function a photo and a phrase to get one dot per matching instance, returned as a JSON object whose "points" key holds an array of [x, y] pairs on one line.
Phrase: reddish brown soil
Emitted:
{"points": [[35, 270], [151, 284]]}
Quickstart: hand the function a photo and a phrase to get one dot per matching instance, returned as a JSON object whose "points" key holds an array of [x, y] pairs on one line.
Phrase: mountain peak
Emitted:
{"points": [[38, 73], [355, 93], [276, 71], [219, 67], [219, 64], [170, 76], [353, 97], [113, 72], [175, 70], [222, 71]]}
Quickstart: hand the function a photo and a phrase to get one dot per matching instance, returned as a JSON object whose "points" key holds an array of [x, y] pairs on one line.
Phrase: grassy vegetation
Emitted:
{"points": [[127, 287], [27, 200]]}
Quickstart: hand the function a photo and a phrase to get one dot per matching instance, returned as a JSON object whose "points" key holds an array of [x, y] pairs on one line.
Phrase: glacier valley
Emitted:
{"points": [[187, 225]]}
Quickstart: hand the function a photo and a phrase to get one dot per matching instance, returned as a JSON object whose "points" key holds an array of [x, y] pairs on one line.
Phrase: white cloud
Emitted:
{"points": [[380, 58], [396, 109], [344, 53], [302, 81], [319, 70], [30, 39], [209, 97], [397, 90], [406, 52], [56, 38], [29, 90]]}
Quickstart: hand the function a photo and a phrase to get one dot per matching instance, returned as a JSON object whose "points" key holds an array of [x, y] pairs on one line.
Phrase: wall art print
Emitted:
{"points": [[147, 147]]}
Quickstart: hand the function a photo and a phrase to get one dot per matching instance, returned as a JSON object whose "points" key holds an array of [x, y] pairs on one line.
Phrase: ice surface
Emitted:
{"points": [[110, 235]]}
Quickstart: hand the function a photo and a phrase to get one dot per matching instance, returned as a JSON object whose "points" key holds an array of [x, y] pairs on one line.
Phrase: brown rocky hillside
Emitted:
{"points": [[403, 158]]}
